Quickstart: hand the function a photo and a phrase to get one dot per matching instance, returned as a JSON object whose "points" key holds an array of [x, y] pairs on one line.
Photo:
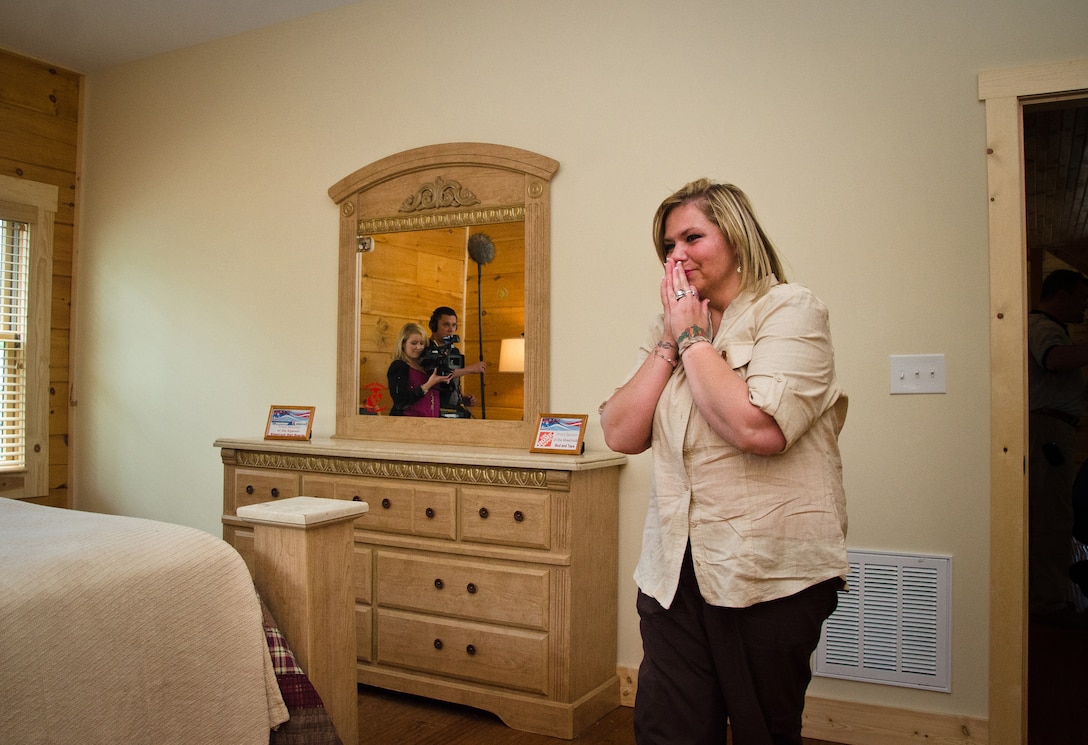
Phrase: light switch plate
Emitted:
{"points": [[917, 373]]}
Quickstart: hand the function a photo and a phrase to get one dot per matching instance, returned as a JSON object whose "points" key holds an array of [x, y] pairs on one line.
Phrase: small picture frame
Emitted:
{"points": [[559, 433], [289, 423]]}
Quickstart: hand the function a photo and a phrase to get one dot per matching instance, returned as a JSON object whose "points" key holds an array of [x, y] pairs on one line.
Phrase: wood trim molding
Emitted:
{"points": [[855, 723], [36, 203], [1034, 80], [1003, 92], [1008, 425]]}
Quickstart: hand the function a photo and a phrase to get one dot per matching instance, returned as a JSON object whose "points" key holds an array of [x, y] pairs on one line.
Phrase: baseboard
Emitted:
{"points": [[628, 684], [853, 723]]}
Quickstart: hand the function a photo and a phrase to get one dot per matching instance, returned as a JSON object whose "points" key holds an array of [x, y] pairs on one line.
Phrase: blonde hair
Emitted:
{"points": [[728, 207], [406, 331]]}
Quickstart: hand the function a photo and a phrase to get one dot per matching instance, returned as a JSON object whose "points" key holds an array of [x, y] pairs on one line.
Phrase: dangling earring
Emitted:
{"points": [[738, 268]]}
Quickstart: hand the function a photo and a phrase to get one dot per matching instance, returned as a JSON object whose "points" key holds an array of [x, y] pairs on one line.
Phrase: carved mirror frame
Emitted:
{"points": [[504, 182]]}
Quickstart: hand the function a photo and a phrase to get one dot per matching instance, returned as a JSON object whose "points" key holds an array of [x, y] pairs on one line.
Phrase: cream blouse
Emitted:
{"points": [[760, 527]]}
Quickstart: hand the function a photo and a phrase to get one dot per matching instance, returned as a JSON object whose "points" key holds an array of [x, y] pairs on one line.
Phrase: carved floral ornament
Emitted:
{"points": [[441, 194], [456, 202]]}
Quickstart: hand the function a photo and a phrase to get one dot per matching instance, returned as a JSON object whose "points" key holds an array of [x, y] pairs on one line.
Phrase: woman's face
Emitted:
{"points": [[698, 245], [413, 346]]}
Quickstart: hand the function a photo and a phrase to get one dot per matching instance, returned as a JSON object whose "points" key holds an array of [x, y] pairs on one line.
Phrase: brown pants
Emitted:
{"points": [[704, 664]]}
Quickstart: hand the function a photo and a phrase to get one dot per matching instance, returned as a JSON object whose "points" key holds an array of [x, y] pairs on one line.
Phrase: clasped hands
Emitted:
{"points": [[685, 312]]}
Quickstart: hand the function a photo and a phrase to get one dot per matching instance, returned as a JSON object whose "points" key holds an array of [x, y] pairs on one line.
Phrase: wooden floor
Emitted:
{"points": [[1057, 710], [387, 718]]}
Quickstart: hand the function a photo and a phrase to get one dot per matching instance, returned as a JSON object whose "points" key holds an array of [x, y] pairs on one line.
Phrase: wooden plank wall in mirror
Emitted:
{"points": [[406, 224]]}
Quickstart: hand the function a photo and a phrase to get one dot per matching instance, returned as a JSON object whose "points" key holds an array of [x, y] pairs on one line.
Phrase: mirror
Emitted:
{"points": [[404, 276], [406, 225]]}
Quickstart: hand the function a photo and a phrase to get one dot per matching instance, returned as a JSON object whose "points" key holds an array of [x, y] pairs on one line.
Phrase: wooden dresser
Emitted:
{"points": [[483, 576]]}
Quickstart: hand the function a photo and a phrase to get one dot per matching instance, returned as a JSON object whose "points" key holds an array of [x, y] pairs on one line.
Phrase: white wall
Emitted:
{"points": [[207, 265]]}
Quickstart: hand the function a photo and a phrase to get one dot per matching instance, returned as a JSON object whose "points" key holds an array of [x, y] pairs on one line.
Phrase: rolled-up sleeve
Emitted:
{"points": [[791, 371]]}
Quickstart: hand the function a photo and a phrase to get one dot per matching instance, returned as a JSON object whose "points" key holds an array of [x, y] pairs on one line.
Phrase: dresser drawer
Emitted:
{"points": [[510, 517], [465, 589], [434, 511], [257, 485], [416, 509], [459, 649]]}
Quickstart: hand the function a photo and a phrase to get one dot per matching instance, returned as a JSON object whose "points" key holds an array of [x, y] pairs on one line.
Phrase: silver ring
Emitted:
{"points": [[691, 291], [680, 294]]}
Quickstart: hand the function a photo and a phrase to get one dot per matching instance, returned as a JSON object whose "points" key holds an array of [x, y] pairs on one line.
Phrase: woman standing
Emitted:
{"points": [[744, 543], [414, 390]]}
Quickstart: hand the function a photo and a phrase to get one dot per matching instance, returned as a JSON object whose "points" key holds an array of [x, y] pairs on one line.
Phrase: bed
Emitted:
{"points": [[118, 629]]}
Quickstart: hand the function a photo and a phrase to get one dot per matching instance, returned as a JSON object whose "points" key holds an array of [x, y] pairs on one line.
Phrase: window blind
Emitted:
{"points": [[14, 270]]}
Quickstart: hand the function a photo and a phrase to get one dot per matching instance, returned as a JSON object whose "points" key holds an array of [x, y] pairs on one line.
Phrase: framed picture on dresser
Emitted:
{"points": [[559, 433], [289, 423]]}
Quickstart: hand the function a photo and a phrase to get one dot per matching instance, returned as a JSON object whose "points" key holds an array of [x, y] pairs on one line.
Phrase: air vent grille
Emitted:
{"points": [[893, 626]]}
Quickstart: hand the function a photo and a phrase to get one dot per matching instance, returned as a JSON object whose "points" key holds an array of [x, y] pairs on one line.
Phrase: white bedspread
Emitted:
{"points": [[123, 630]]}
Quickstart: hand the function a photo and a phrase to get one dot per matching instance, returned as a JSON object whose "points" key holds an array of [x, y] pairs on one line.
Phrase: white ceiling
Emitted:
{"points": [[90, 35]]}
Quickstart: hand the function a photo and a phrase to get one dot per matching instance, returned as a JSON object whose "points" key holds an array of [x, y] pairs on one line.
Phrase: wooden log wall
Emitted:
{"points": [[500, 291], [39, 141], [401, 281]]}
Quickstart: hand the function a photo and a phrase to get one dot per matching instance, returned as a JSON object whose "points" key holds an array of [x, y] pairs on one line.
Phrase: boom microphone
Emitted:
{"points": [[480, 248]]}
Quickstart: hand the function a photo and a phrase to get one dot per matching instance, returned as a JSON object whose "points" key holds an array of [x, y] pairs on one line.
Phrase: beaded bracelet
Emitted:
{"points": [[671, 362]]}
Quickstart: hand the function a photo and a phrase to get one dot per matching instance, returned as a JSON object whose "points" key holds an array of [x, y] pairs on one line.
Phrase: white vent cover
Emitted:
{"points": [[893, 626]]}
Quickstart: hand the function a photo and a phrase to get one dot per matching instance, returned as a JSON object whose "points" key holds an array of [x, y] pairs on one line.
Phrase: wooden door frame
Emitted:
{"points": [[1004, 92]]}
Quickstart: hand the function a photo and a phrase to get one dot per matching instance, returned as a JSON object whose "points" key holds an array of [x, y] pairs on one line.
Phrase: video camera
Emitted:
{"points": [[443, 358]]}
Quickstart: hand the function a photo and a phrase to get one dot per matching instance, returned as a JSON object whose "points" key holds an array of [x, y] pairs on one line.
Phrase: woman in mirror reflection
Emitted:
{"points": [[415, 391], [743, 549]]}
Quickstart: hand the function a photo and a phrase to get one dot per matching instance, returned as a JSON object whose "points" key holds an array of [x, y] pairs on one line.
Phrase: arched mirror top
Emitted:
{"points": [[406, 223]]}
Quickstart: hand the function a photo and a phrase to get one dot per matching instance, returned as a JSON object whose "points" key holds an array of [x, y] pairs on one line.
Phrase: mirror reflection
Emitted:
{"points": [[477, 271], [410, 224]]}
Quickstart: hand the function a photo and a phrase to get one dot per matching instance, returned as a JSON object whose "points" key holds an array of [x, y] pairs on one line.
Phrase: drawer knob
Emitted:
{"points": [[438, 644], [471, 649], [471, 588], [484, 513], [429, 512], [249, 488], [439, 584], [275, 492], [385, 503], [356, 498], [518, 516]]}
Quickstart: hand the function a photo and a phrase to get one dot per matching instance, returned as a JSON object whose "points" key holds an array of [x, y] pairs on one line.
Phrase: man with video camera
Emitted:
{"points": [[441, 353]]}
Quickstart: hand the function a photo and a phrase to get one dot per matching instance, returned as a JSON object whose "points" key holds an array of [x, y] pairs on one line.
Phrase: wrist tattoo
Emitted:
{"points": [[690, 333]]}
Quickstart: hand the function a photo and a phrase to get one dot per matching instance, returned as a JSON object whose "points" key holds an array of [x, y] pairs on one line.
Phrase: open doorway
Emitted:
{"points": [[1005, 92], [1055, 158]]}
